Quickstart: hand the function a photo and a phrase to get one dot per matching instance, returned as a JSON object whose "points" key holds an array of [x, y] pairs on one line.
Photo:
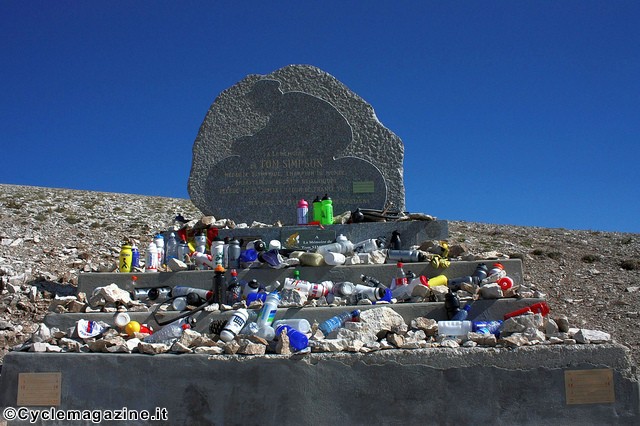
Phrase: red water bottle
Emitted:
{"points": [[537, 308]]}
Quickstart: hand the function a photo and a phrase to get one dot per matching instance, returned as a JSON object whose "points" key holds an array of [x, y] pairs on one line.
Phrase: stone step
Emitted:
{"points": [[204, 279], [543, 384], [481, 310]]}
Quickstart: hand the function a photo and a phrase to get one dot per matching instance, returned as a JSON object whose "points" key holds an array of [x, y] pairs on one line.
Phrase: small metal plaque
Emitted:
{"points": [[39, 389], [589, 386], [307, 239]]}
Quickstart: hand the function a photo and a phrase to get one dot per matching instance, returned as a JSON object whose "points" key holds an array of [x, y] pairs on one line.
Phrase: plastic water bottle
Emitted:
{"points": [[125, 258], [234, 254], [336, 322], [183, 250], [261, 296], [234, 289], [217, 251], [169, 332], [252, 286], [184, 291], [303, 212], [219, 284], [151, 259], [225, 251], [159, 241], [401, 277], [234, 325], [342, 246], [297, 340], [451, 304], [269, 310], [462, 314], [327, 210], [367, 246], [495, 273], [395, 243], [480, 272], [406, 256], [172, 247], [344, 289], [201, 242], [371, 281], [300, 324], [135, 256], [317, 210], [487, 327], [454, 328]]}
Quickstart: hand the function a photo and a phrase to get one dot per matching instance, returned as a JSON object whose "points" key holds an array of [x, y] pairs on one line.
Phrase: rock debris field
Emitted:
{"points": [[50, 236]]}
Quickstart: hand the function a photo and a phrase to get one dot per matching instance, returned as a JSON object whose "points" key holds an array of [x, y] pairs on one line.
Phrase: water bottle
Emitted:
{"points": [[344, 289], [261, 296], [370, 281], [336, 322], [135, 256], [455, 284], [184, 291], [365, 292], [252, 286], [303, 212], [451, 304], [487, 327], [179, 303], [495, 273], [454, 328], [406, 256], [159, 294], [327, 211], [124, 260], [169, 332], [183, 250], [401, 277], [480, 272], [300, 324], [172, 247], [297, 340], [234, 325], [342, 246], [395, 243], [159, 241], [505, 283], [462, 314], [269, 310], [234, 254], [367, 246], [234, 289], [219, 284], [406, 292], [217, 251], [317, 210], [201, 242], [225, 251]]}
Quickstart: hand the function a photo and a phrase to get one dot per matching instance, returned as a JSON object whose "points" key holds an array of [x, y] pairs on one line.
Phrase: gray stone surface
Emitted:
{"points": [[524, 386], [271, 140]]}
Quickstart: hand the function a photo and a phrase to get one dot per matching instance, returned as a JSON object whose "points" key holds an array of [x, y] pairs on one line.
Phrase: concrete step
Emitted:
{"points": [[544, 384], [204, 279], [481, 310]]}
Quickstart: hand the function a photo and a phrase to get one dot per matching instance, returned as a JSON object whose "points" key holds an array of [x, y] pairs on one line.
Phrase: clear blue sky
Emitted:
{"points": [[523, 113]]}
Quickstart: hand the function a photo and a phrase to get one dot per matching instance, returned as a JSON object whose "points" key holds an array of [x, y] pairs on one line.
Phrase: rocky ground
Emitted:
{"points": [[49, 236]]}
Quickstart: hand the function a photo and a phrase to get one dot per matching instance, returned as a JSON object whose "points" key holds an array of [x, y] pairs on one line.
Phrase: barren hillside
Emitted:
{"points": [[49, 236]]}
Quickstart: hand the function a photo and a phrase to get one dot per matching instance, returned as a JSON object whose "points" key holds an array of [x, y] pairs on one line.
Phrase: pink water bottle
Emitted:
{"points": [[303, 212]]}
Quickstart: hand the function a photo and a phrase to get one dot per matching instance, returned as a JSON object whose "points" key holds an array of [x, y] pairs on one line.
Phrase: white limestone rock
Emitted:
{"points": [[177, 265], [109, 294], [591, 336], [439, 292], [384, 319], [428, 325], [491, 291], [152, 348], [209, 350]]}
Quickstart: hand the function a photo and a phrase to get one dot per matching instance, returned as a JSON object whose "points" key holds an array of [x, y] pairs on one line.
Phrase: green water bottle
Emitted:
{"points": [[317, 210], [327, 211]]}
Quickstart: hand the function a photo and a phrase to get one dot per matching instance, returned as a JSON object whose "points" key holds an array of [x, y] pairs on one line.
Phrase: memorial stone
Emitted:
{"points": [[297, 133]]}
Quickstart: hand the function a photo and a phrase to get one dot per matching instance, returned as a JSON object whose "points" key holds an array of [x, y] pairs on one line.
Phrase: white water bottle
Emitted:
{"points": [[151, 260], [269, 310], [169, 332], [234, 325], [159, 241]]}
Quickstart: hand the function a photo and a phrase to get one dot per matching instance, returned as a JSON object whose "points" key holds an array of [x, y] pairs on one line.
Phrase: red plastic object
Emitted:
{"points": [[505, 283], [536, 308]]}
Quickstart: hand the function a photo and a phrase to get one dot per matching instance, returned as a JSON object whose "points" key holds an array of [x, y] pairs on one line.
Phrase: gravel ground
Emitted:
{"points": [[49, 236]]}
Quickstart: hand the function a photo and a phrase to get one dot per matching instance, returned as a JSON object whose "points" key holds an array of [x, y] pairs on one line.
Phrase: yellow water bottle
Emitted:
{"points": [[125, 258]]}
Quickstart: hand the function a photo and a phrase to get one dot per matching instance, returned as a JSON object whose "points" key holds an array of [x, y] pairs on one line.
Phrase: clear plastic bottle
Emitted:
{"points": [[269, 310], [172, 247], [401, 277], [300, 324], [495, 273], [336, 322], [297, 340], [181, 290], [183, 250], [454, 328], [169, 332]]}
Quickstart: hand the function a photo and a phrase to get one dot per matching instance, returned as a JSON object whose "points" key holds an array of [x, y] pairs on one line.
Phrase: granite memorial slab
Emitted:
{"points": [[298, 133]]}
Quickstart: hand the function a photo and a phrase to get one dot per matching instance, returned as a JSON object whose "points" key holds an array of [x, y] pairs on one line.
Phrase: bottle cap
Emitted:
{"points": [[219, 268], [505, 283], [317, 199], [303, 203], [122, 319], [400, 264], [424, 280], [326, 198], [234, 273], [498, 265]]}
